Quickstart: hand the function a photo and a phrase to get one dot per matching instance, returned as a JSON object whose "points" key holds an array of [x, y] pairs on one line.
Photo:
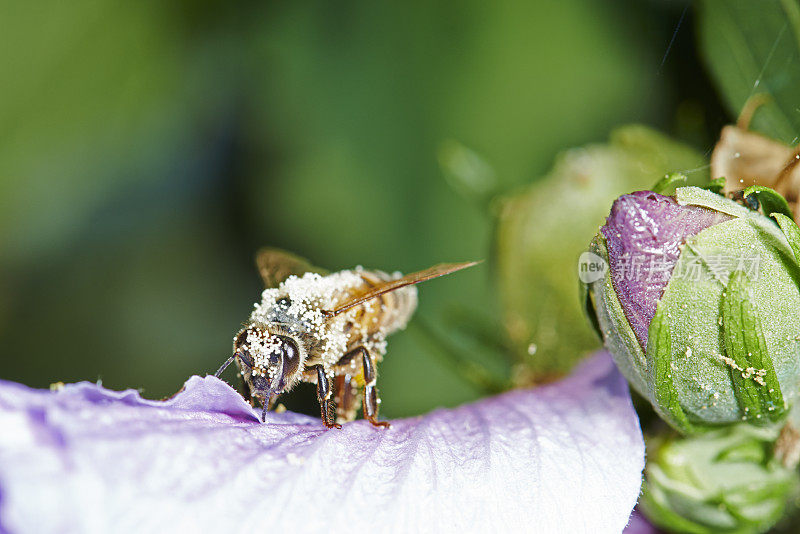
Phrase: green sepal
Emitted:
{"points": [[771, 202], [747, 451], [589, 308], [715, 186], [660, 513], [659, 367], [791, 231], [754, 380], [724, 480], [697, 196], [618, 336], [669, 182]]}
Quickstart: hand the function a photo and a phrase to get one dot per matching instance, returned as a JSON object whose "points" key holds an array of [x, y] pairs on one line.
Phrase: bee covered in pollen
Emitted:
{"points": [[328, 329]]}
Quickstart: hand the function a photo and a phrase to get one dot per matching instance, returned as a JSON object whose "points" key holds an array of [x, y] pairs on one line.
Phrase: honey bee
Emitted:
{"points": [[328, 329]]}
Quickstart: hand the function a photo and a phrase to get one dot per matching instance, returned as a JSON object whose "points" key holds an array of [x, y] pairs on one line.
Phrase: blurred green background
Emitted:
{"points": [[147, 149]]}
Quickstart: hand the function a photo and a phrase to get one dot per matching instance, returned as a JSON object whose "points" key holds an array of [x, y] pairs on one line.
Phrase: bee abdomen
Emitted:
{"points": [[383, 314]]}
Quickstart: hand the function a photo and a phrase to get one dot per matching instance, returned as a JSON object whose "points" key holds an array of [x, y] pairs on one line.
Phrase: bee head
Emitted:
{"points": [[268, 361]]}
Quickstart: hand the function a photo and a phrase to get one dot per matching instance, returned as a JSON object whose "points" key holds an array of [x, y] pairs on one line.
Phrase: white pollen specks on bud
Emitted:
{"points": [[730, 362]]}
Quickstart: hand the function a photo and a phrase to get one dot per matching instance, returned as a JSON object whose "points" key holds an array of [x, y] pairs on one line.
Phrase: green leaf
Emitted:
{"points": [[468, 172], [669, 182], [659, 367], [746, 58], [715, 186], [771, 202], [753, 376], [791, 231]]}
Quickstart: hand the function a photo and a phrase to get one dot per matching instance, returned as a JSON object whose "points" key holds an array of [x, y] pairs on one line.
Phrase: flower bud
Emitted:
{"points": [[536, 247], [721, 481], [698, 305]]}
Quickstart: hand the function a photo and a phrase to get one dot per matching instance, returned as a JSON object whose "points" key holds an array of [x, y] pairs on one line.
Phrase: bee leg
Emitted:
{"points": [[371, 400], [324, 394], [346, 397]]}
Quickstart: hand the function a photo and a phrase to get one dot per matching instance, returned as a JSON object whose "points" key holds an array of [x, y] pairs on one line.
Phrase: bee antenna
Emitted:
{"points": [[225, 365]]}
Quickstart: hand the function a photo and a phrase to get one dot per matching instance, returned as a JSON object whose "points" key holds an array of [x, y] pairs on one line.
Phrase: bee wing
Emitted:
{"points": [[409, 279], [276, 265]]}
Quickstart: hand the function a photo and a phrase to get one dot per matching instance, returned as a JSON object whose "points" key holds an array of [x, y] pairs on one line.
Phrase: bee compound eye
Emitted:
{"points": [[241, 337], [291, 356]]}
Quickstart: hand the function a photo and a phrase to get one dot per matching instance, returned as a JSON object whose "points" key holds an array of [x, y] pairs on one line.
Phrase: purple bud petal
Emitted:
{"points": [[644, 233], [565, 457], [638, 524]]}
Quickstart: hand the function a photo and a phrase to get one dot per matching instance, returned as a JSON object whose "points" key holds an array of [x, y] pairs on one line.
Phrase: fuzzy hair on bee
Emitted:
{"points": [[328, 329]]}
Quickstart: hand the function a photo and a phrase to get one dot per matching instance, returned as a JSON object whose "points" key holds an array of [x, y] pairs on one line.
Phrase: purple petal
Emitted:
{"points": [[644, 233], [565, 457], [638, 524]]}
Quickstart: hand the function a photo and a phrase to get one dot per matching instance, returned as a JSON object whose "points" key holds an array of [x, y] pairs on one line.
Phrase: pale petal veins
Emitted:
{"points": [[565, 457]]}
